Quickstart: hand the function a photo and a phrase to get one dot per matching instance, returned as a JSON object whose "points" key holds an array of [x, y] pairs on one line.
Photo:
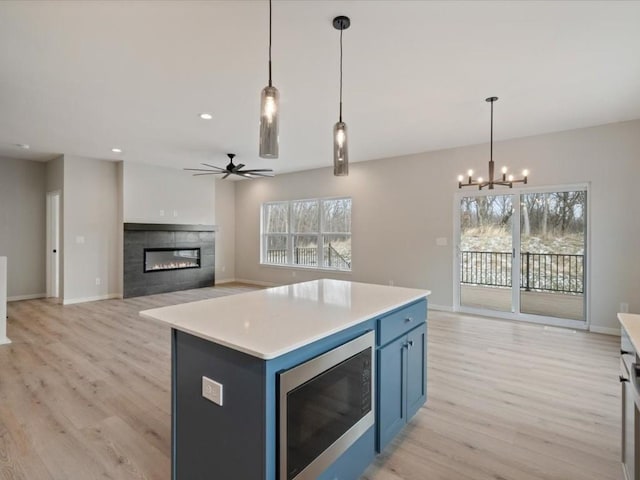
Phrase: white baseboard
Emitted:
{"points": [[108, 296], [225, 280], [257, 282], [440, 308], [5, 341], [605, 330], [31, 296]]}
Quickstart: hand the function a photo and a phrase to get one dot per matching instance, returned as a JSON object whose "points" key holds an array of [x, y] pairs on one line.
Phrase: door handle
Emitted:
{"points": [[622, 379], [55, 251]]}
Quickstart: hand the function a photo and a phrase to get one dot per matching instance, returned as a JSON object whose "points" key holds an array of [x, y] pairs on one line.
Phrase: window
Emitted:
{"points": [[312, 233]]}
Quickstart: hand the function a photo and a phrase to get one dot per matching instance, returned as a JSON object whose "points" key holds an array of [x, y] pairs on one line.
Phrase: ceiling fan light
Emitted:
{"points": [[269, 145], [340, 150]]}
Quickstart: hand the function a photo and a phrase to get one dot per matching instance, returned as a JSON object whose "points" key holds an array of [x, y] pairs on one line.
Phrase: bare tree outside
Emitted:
{"points": [[552, 239], [307, 232]]}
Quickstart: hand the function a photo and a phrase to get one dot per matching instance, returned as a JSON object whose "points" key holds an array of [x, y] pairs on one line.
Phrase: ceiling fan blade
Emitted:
{"points": [[262, 174], [210, 173], [242, 174], [213, 166], [226, 175], [198, 169], [238, 167], [257, 170]]}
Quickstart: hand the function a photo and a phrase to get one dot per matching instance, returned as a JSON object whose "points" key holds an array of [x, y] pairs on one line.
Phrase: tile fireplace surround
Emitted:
{"points": [[141, 236]]}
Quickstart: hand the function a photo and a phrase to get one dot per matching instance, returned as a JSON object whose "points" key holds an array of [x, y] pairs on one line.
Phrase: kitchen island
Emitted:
{"points": [[300, 381]]}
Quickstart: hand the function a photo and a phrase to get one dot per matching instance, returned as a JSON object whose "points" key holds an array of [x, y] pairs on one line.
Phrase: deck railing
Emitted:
{"points": [[543, 272], [308, 256]]}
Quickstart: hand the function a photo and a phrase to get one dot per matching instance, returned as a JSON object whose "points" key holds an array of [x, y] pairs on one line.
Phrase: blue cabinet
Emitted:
{"points": [[401, 371]]}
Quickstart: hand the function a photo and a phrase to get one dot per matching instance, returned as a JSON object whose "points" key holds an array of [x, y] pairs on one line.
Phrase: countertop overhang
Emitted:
{"points": [[631, 324], [271, 322]]}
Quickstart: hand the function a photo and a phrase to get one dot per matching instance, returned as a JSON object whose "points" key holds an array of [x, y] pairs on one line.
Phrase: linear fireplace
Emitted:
{"points": [[159, 259]]}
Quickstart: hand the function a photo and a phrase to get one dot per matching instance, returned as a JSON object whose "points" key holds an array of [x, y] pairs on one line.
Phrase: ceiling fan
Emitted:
{"points": [[231, 169]]}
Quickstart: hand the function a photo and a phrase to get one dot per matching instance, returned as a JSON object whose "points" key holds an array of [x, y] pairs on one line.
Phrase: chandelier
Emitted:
{"points": [[506, 181]]}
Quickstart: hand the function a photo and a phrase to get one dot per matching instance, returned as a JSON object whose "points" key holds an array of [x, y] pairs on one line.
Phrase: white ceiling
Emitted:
{"points": [[82, 77]]}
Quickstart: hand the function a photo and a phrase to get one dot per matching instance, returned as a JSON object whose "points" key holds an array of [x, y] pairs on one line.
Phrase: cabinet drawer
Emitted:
{"points": [[398, 323]]}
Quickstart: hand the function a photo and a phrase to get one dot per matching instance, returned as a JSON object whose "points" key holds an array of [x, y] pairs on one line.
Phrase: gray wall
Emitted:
{"points": [[401, 205], [92, 241], [153, 194], [55, 182], [226, 231], [22, 225]]}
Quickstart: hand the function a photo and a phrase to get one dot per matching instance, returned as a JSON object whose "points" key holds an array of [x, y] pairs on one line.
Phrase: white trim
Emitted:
{"points": [[306, 267], [31, 296], [524, 317], [440, 308], [5, 341], [226, 280], [605, 330], [257, 282], [320, 233], [108, 296]]}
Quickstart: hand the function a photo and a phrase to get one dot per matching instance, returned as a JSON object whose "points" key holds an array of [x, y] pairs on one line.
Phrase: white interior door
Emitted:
{"points": [[53, 244]]}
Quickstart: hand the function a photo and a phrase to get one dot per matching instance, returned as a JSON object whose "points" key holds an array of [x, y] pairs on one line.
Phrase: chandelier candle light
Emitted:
{"points": [[506, 181], [340, 145], [269, 113]]}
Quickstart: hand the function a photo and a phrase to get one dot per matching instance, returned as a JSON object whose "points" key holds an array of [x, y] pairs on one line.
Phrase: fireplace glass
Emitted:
{"points": [[162, 259]]}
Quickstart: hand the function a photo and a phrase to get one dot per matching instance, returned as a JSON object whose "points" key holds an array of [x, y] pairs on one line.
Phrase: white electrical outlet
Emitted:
{"points": [[212, 390], [79, 239], [98, 281], [391, 282], [224, 268], [624, 307], [162, 213]]}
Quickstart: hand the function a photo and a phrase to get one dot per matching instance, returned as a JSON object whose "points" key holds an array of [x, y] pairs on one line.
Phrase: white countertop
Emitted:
{"points": [[631, 323], [271, 322]]}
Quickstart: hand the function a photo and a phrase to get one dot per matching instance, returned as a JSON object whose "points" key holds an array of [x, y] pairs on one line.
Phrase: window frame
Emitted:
{"points": [[290, 235]]}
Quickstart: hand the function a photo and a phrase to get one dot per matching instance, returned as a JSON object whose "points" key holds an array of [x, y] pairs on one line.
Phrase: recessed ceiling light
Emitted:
{"points": [[23, 145], [116, 150], [206, 116]]}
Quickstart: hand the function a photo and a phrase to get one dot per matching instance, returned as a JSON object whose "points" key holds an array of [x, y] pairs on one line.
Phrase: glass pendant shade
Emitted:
{"points": [[340, 150], [269, 122]]}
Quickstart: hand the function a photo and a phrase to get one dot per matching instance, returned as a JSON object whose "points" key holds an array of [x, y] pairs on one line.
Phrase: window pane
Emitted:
{"points": [[305, 217], [275, 217], [276, 251], [336, 215], [305, 250], [552, 239], [337, 251]]}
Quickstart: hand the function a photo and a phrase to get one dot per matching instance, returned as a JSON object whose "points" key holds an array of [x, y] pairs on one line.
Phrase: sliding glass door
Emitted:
{"points": [[486, 252], [522, 254]]}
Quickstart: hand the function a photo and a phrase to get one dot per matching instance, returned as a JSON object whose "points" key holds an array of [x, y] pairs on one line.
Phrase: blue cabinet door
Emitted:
{"points": [[416, 384], [391, 393]]}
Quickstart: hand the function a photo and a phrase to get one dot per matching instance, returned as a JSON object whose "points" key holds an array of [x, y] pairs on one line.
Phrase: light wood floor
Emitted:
{"points": [[84, 394], [551, 304]]}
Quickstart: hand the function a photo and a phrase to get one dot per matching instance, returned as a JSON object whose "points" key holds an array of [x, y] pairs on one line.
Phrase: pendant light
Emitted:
{"points": [[507, 181], [340, 144], [269, 98]]}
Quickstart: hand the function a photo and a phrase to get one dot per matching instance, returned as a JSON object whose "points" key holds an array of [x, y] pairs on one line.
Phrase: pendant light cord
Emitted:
{"points": [[491, 154], [342, 30], [270, 84]]}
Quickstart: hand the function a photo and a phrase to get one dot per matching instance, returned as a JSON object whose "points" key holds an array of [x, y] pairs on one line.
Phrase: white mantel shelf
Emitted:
{"points": [[271, 322]]}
